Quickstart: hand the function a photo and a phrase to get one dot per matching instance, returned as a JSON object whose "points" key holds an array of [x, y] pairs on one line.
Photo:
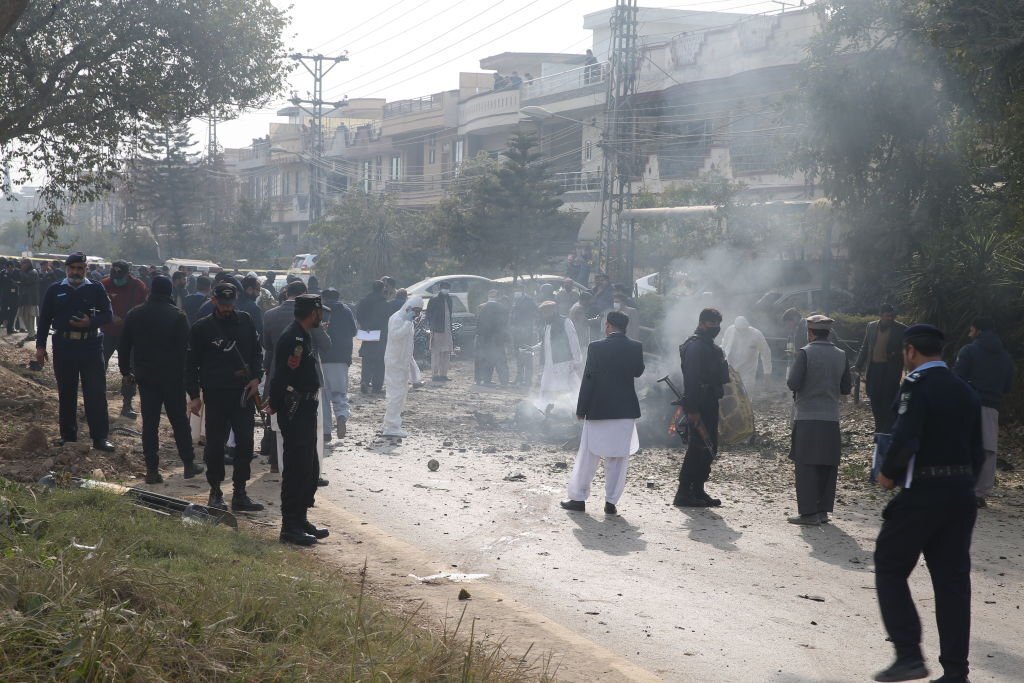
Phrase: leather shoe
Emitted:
{"points": [[315, 531], [103, 445], [216, 501], [297, 536], [903, 670], [127, 412], [192, 469], [711, 502], [951, 678], [322, 482], [982, 503], [154, 477], [61, 442], [574, 505], [609, 509], [824, 518], [243, 503], [806, 520]]}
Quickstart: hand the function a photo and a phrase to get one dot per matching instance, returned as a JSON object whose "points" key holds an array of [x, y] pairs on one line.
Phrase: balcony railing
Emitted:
{"points": [[418, 104], [566, 81], [579, 181]]}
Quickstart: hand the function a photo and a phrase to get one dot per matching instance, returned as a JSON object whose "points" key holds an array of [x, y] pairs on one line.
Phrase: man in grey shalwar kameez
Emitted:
{"points": [[819, 375]]}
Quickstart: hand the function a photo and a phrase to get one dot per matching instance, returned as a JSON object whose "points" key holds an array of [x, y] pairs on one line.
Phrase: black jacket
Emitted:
{"points": [[435, 313], [986, 366], [939, 422], [607, 391], [193, 302], [154, 342], [294, 366], [372, 313], [341, 328], [705, 372], [893, 350], [492, 322], [223, 354]]}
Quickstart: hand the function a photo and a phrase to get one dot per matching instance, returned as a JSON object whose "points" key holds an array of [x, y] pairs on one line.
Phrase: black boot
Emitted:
{"points": [[193, 468], [127, 410], [313, 530], [686, 497], [216, 500], [701, 494], [909, 666], [153, 476], [241, 502], [293, 532]]}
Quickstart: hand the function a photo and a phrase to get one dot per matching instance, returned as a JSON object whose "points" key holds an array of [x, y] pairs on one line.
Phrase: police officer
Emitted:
{"points": [[225, 360], [705, 371], [935, 456], [76, 308], [294, 397]]}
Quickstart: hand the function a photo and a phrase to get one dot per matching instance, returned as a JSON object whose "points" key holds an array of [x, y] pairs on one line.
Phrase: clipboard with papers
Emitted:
{"points": [[368, 335]]}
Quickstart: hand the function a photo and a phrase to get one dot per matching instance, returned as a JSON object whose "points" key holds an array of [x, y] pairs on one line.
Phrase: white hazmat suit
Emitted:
{"points": [[398, 364], [744, 346]]}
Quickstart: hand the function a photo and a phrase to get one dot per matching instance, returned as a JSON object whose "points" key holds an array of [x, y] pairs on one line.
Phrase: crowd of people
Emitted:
{"points": [[232, 347]]}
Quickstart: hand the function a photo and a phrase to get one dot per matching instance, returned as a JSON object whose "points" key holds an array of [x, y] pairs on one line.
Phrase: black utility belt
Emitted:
{"points": [[942, 471], [78, 335], [303, 395]]}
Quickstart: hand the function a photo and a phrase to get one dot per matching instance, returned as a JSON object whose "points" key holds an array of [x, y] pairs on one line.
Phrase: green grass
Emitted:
{"points": [[161, 601]]}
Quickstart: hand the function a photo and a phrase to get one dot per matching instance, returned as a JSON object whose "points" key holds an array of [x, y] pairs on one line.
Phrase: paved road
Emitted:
{"points": [[698, 595]]}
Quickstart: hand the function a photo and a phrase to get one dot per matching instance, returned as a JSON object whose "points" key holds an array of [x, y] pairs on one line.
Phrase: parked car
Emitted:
{"points": [[471, 290], [804, 299], [533, 283]]}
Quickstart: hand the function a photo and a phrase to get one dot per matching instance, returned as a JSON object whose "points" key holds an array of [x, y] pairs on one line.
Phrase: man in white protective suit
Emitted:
{"points": [[744, 346], [398, 363], [560, 350]]}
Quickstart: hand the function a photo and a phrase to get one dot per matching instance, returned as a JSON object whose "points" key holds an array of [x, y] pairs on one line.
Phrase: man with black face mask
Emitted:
{"points": [[705, 372]]}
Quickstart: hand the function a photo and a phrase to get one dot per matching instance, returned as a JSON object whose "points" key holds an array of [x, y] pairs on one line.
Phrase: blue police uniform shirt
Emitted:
{"points": [[63, 301], [938, 423]]}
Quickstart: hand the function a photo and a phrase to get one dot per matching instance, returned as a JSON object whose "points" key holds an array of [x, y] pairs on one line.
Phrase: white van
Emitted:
{"points": [[303, 266]]}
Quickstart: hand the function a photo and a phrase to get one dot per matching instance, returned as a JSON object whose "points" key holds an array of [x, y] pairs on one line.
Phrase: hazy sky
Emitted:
{"points": [[401, 49]]}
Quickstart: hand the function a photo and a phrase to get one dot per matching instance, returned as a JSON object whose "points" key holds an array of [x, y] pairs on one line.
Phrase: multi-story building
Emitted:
{"points": [[709, 89]]}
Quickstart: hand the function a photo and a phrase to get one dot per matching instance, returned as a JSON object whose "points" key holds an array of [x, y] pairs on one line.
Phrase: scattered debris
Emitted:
{"points": [[815, 598], [516, 477], [464, 594], [433, 465], [449, 577]]}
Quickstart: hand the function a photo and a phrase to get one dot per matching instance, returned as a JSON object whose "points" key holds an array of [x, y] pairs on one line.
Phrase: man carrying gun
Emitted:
{"points": [[705, 372], [295, 398], [225, 360]]}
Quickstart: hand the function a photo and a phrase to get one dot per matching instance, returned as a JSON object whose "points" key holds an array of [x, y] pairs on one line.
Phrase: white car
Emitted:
{"points": [[471, 290]]}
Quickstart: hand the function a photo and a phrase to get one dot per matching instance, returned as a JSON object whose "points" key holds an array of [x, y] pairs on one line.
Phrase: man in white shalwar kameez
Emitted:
{"points": [[743, 346], [609, 406], [398, 364], [563, 358]]}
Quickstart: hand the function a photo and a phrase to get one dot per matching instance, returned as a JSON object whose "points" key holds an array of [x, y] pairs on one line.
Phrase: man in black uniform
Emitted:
{"points": [[935, 456], [372, 315], [705, 371], [295, 398], [225, 359], [9, 295], [76, 308], [151, 355]]}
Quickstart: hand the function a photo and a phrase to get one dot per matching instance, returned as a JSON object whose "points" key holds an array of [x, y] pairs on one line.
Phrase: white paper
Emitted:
{"points": [[368, 335]]}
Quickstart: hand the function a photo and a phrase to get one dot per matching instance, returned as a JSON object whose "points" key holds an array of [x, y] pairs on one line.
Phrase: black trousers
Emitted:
{"points": [[110, 344], [300, 466], [882, 387], [524, 359], [225, 413], [697, 462], [77, 360], [815, 488], [373, 365], [155, 396], [491, 358], [936, 522], [9, 315]]}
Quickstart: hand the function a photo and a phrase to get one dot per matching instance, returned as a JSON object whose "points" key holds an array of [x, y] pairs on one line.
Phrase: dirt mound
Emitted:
{"points": [[28, 429]]}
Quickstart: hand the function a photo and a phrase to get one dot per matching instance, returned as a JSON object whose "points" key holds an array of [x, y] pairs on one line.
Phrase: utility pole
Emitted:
{"points": [[314, 64], [615, 250], [212, 146]]}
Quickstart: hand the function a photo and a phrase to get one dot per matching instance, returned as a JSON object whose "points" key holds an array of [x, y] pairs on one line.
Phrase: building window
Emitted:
{"points": [[366, 177], [396, 168], [432, 150], [460, 148], [588, 151], [380, 169]]}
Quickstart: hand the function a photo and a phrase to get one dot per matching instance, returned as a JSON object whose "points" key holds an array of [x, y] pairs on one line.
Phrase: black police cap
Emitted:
{"points": [[225, 291], [923, 330], [307, 303]]}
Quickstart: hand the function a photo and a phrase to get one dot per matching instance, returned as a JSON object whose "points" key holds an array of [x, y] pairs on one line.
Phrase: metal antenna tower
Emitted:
{"points": [[615, 250], [314, 64]]}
